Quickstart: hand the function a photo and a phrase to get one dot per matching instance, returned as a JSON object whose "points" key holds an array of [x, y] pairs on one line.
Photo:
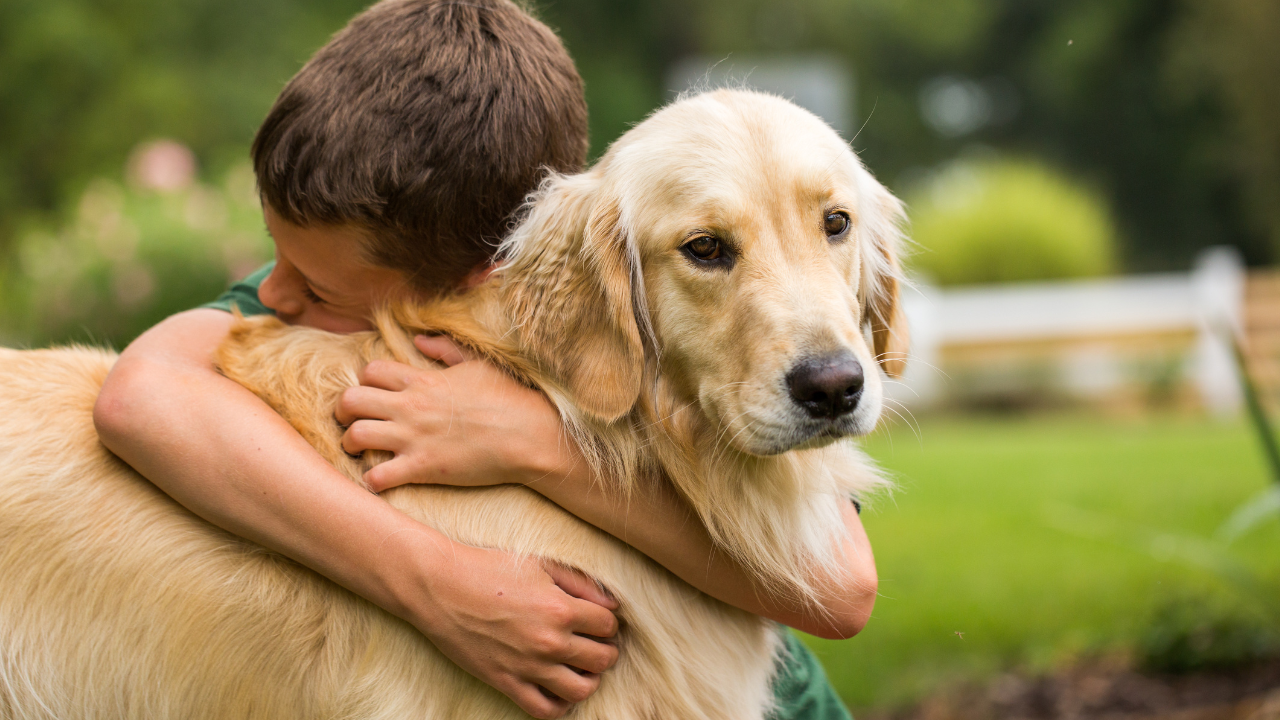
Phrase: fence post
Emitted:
{"points": [[1218, 283]]}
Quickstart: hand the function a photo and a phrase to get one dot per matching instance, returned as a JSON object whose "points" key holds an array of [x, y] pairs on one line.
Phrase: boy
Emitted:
{"points": [[387, 167]]}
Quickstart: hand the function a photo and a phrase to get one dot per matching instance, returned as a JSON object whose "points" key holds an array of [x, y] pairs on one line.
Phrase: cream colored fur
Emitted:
{"points": [[117, 603]]}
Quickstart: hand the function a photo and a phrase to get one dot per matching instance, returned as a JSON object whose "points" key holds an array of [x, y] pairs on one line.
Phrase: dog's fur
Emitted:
{"points": [[118, 603]]}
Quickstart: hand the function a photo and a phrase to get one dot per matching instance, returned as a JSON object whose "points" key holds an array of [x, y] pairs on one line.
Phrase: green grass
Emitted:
{"points": [[1038, 540]]}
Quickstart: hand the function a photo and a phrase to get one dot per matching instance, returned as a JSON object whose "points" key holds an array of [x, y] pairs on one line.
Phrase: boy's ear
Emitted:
{"points": [[569, 279]]}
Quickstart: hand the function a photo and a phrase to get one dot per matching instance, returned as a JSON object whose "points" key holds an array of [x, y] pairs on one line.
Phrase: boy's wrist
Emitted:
{"points": [[407, 564], [553, 469]]}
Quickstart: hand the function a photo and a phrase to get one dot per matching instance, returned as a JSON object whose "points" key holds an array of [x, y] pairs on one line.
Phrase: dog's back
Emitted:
{"points": [[119, 603]]}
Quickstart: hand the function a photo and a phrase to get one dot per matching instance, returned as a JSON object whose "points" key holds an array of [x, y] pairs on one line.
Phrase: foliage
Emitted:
{"points": [[1095, 86], [1001, 221], [125, 258], [1096, 99], [1225, 52], [1199, 632], [82, 83]]}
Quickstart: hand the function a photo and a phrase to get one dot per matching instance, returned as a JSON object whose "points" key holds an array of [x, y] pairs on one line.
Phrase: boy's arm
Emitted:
{"points": [[473, 424], [225, 455], [662, 526]]}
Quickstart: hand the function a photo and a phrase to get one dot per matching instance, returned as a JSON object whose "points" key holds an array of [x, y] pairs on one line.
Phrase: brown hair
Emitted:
{"points": [[425, 122]]}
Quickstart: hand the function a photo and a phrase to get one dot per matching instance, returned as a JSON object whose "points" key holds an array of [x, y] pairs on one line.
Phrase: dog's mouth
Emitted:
{"points": [[833, 432], [766, 439]]}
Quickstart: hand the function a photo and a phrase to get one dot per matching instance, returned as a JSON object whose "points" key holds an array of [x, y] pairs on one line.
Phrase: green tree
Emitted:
{"points": [[82, 82], [1168, 106], [1227, 53]]}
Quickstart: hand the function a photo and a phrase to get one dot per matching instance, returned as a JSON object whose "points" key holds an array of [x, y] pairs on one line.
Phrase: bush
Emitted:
{"points": [[1190, 634], [1003, 221], [128, 257]]}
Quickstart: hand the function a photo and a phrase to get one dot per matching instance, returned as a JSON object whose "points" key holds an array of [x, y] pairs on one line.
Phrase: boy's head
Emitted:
{"points": [[423, 124]]}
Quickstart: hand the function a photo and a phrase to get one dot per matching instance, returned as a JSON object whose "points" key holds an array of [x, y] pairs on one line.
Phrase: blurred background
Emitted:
{"points": [[1086, 518]]}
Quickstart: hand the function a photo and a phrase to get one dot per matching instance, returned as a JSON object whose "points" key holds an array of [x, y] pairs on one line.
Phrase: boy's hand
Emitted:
{"points": [[467, 424], [534, 631]]}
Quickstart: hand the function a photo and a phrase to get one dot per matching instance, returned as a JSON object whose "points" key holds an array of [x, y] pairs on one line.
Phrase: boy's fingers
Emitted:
{"points": [[591, 619], [370, 435], [591, 655], [360, 402], [444, 349], [539, 703], [531, 698], [387, 375], [389, 474], [569, 685], [577, 584]]}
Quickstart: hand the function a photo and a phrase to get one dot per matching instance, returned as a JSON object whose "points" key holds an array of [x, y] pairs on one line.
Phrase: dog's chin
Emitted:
{"points": [[798, 432]]}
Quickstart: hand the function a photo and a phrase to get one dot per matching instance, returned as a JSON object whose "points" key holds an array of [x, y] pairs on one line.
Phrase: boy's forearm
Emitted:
{"points": [[263, 482], [659, 524], [225, 455]]}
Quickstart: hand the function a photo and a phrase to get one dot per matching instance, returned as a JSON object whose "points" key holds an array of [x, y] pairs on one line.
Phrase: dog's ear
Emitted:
{"points": [[882, 280], [569, 276]]}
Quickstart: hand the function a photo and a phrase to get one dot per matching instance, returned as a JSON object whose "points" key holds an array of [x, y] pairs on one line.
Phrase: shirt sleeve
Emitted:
{"points": [[243, 295], [801, 690]]}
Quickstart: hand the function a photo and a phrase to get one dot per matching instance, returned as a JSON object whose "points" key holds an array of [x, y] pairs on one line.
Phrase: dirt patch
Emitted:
{"points": [[1108, 690]]}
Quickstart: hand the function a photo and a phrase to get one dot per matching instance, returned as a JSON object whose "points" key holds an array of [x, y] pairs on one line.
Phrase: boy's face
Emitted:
{"points": [[321, 278]]}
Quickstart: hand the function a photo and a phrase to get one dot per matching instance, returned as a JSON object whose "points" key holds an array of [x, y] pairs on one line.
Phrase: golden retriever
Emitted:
{"points": [[701, 305]]}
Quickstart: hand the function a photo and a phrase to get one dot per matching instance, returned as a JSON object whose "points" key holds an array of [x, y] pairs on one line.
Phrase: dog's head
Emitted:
{"points": [[734, 240]]}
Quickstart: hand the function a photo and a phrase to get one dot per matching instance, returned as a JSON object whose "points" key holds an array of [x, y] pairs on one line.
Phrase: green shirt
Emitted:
{"points": [[801, 689], [244, 294]]}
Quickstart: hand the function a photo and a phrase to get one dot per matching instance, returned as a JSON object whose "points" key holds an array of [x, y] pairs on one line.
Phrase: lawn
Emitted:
{"points": [[1024, 542]]}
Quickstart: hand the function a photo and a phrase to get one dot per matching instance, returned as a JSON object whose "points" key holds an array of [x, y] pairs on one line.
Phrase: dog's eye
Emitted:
{"points": [[709, 252], [836, 223], [704, 248]]}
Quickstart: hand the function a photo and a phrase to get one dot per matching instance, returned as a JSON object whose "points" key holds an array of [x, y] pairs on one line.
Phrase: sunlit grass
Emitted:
{"points": [[1037, 540]]}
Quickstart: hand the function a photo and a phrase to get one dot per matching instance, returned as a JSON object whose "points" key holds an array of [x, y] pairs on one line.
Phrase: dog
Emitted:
{"points": [[710, 305]]}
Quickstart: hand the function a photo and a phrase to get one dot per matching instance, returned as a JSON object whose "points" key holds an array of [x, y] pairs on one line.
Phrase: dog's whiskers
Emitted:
{"points": [[721, 448], [899, 382], [909, 419], [745, 427], [912, 359]]}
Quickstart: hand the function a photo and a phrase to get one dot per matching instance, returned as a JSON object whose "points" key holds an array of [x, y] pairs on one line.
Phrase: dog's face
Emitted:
{"points": [[764, 249]]}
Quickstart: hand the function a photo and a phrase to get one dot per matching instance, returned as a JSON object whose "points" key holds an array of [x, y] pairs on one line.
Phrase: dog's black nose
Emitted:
{"points": [[827, 387]]}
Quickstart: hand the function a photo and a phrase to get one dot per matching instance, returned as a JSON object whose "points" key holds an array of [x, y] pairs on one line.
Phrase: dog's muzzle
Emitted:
{"points": [[827, 388]]}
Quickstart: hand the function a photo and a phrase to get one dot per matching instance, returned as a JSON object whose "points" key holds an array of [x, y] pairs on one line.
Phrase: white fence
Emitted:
{"points": [[1087, 333]]}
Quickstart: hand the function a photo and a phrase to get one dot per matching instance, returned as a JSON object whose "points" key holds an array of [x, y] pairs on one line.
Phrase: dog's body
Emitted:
{"points": [[117, 603]]}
